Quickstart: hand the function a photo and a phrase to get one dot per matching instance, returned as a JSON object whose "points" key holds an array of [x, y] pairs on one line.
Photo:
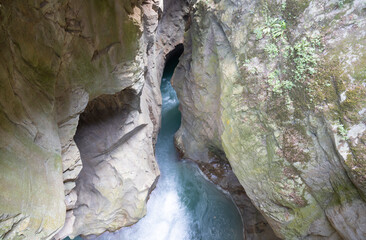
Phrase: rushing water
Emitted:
{"points": [[184, 205]]}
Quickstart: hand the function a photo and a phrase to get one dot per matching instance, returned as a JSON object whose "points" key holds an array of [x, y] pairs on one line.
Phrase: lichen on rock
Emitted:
{"points": [[288, 104]]}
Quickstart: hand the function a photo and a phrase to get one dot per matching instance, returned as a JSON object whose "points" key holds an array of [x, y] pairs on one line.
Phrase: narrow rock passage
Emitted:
{"points": [[184, 205]]}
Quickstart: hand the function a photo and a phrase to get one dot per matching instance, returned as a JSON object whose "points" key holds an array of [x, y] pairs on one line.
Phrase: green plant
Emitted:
{"points": [[251, 69], [342, 131], [258, 33], [275, 26], [340, 3], [293, 63], [271, 50], [305, 59], [278, 85], [283, 5]]}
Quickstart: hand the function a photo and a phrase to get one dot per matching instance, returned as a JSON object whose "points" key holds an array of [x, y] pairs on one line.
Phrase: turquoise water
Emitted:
{"points": [[184, 206]]}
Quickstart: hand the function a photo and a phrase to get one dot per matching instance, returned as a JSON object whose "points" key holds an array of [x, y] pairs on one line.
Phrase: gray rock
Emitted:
{"points": [[57, 57], [262, 82]]}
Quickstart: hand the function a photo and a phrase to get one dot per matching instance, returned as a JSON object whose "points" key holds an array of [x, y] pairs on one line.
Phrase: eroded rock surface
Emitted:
{"points": [[276, 87], [115, 141], [279, 87], [56, 56], [199, 135]]}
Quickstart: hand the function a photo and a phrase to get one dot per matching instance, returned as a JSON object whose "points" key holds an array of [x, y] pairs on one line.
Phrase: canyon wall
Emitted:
{"points": [[273, 110], [278, 88], [56, 57]]}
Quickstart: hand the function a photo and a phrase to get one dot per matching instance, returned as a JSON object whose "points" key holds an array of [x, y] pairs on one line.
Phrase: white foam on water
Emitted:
{"points": [[166, 218], [169, 97]]}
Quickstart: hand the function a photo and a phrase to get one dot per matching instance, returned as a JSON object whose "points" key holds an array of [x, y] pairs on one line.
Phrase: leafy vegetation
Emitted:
{"points": [[294, 62], [342, 131], [272, 50], [305, 58]]}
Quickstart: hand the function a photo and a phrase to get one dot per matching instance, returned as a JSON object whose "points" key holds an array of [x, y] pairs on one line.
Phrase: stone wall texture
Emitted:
{"points": [[278, 87], [58, 58]]}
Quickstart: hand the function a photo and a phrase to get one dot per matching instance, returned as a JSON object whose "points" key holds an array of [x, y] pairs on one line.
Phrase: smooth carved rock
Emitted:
{"points": [[55, 58], [199, 135], [115, 141], [279, 88]]}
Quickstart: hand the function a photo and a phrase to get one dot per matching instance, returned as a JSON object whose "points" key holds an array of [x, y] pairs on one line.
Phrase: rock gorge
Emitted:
{"points": [[272, 95]]}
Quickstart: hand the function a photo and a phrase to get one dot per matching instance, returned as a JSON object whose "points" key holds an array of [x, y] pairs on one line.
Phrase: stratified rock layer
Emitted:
{"points": [[279, 87]]}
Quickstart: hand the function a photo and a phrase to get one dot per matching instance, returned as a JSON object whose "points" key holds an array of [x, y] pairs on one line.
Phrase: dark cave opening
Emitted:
{"points": [[172, 59]]}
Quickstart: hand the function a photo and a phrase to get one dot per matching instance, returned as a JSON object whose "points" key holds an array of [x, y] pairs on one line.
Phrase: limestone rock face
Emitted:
{"points": [[56, 56], [115, 141], [279, 88], [199, 135], [169, 34]]}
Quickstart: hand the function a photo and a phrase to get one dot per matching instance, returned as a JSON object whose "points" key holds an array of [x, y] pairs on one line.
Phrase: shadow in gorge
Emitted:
{"points": [[184, 205], [172, 60]]}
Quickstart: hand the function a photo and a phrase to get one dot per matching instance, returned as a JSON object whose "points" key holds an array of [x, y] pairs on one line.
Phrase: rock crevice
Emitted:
{"points": [[272, 101]]}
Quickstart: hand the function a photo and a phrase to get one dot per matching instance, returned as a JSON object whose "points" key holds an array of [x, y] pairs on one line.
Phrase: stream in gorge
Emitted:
{"points": [[184, 205]]}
